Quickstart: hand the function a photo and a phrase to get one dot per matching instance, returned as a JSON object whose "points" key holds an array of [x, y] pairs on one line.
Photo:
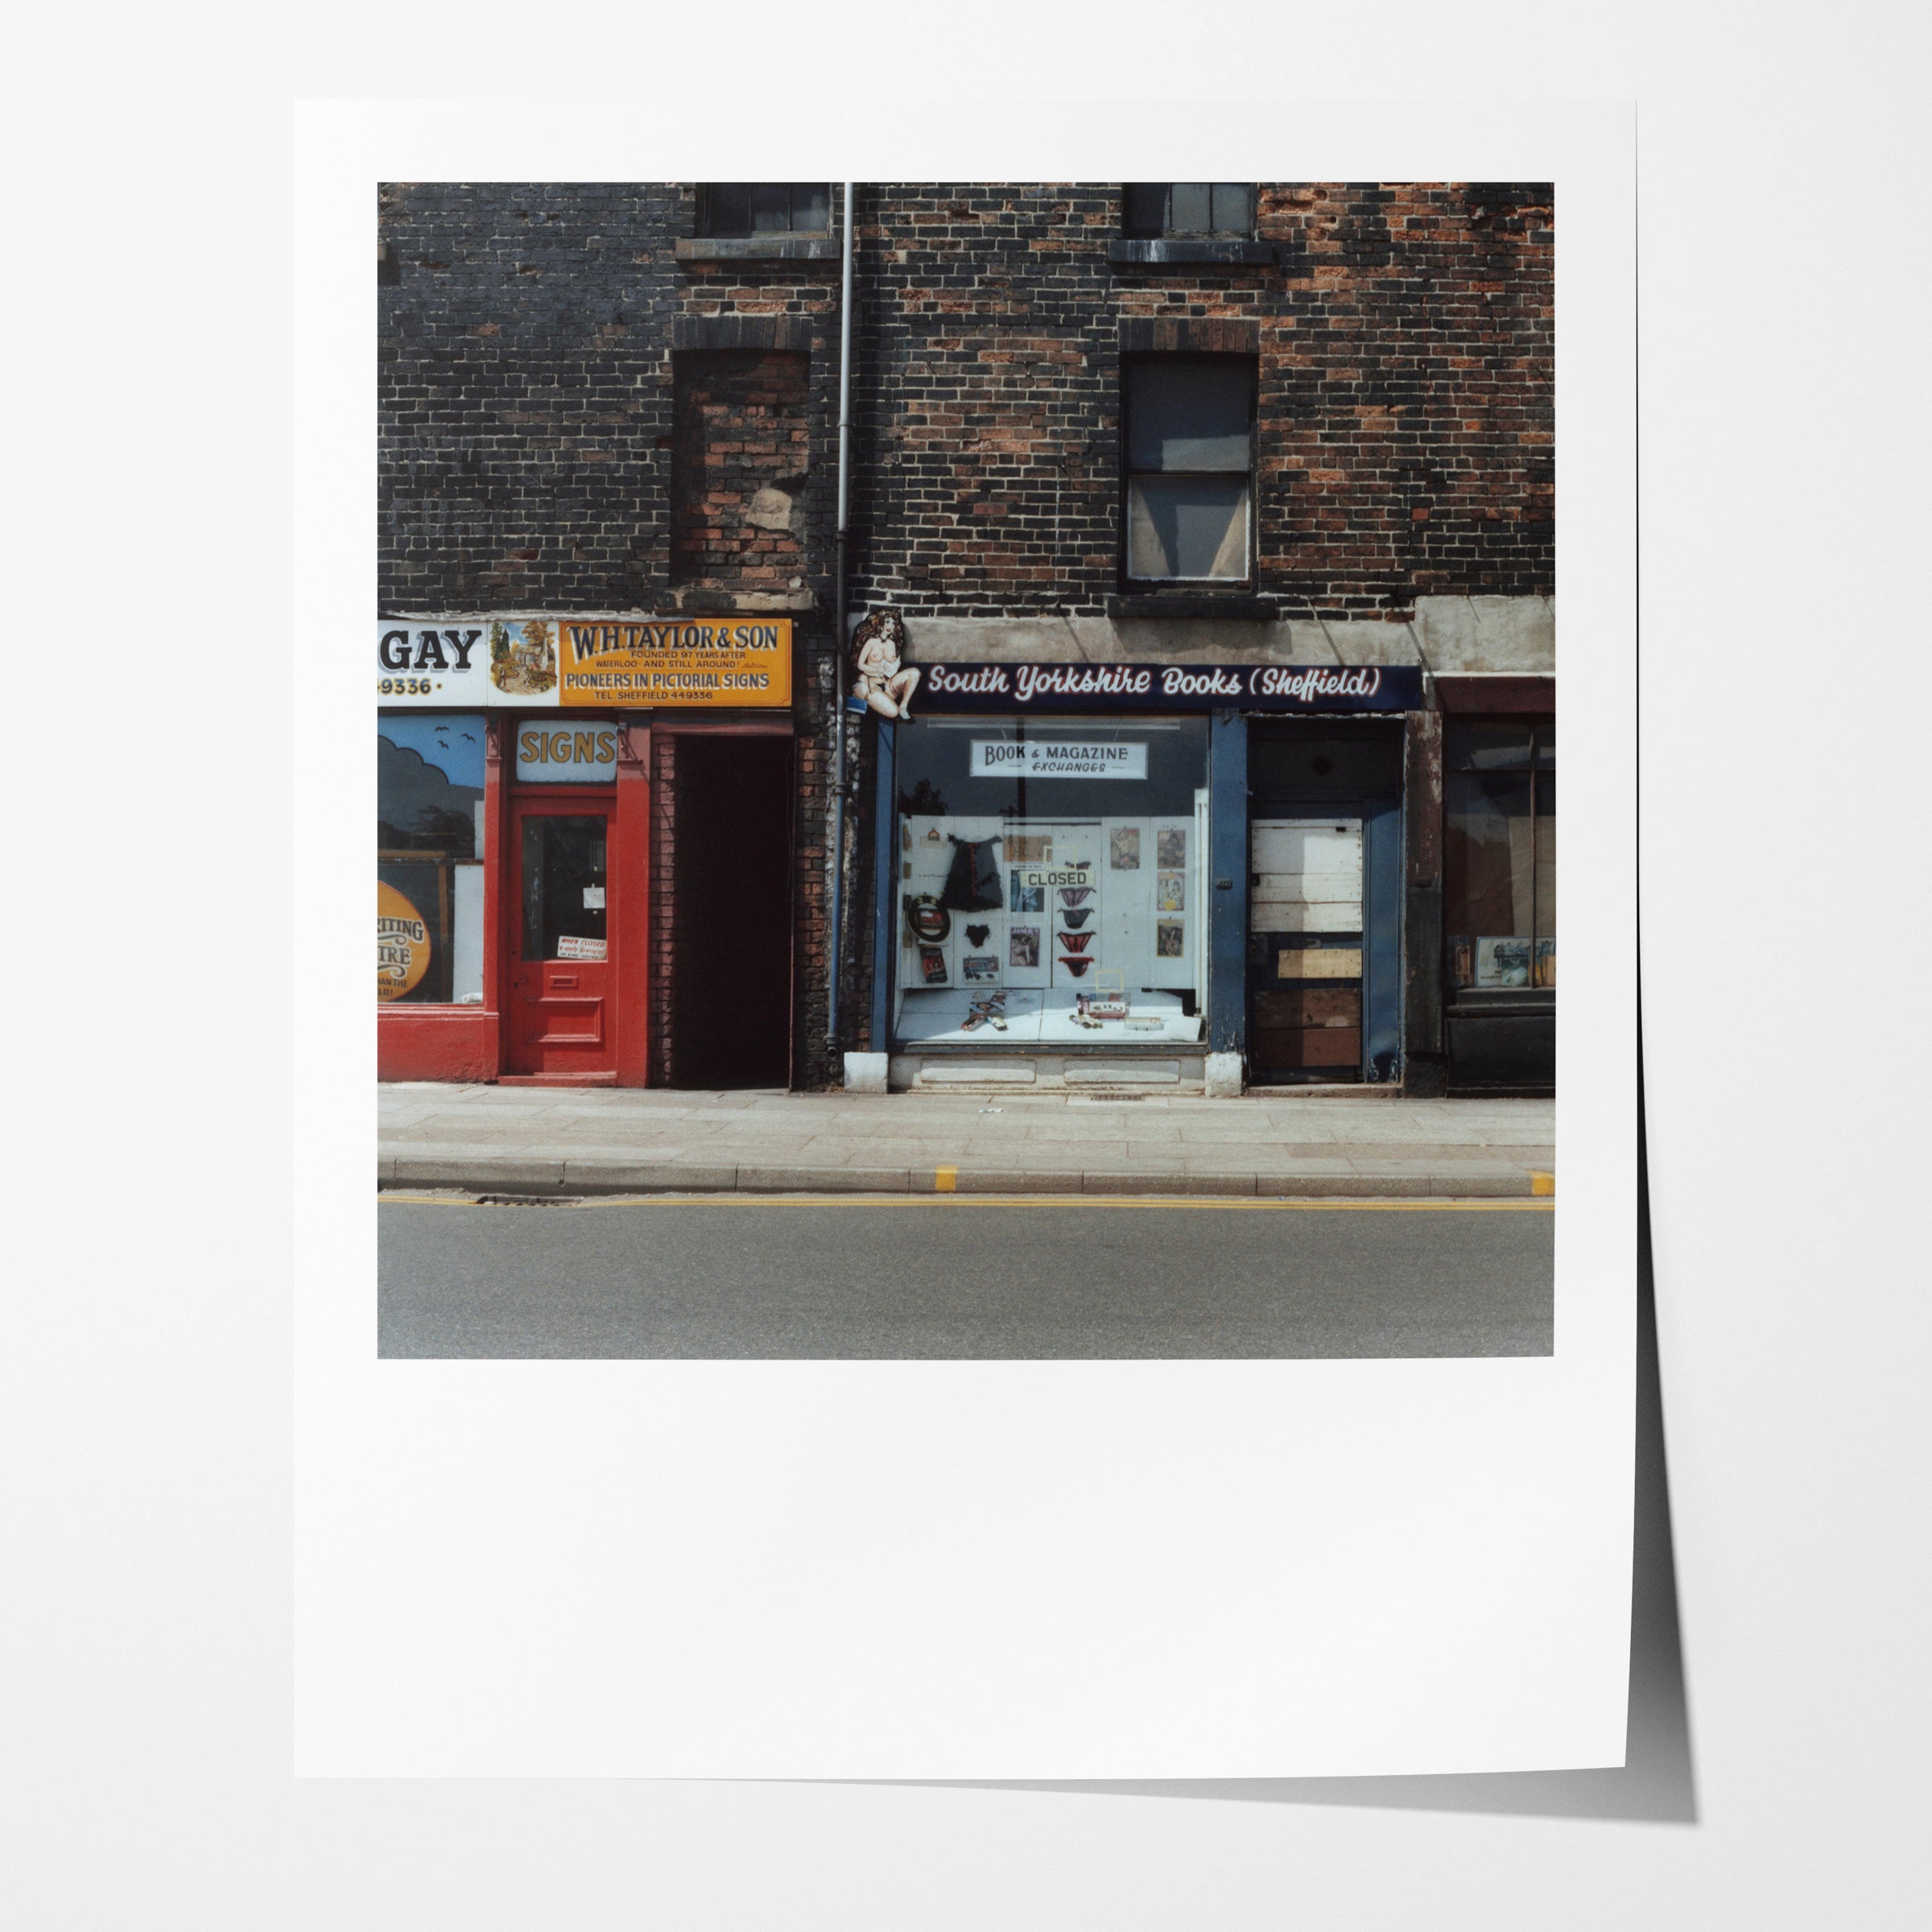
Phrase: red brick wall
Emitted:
{"points": [[741, 455], [663, 902]]}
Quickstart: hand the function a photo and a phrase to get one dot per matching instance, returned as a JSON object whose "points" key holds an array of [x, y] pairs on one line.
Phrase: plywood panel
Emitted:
{"points": [[1298, 915], [1309, 1006], [1305, 886], [1307, 1046], [1297, 845], [1318, 963]]}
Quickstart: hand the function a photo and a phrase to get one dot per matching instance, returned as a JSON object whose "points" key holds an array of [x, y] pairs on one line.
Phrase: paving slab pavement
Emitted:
{"points": [[487, 1139]]}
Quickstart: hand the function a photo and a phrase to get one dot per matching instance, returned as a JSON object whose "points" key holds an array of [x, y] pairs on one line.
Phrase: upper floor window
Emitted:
{"points": [[764, 208], [1189, 207], [1190, 449]]}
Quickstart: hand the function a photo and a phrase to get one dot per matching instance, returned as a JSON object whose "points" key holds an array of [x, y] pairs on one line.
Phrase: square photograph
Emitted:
{"points": [[607, 918]]}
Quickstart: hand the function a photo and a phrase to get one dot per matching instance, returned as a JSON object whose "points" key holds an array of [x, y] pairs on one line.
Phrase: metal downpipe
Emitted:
{"points": [[835, 962]]}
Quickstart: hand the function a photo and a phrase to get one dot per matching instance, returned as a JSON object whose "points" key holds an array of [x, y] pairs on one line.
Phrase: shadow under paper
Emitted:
{"points": [[1656, 1783]]}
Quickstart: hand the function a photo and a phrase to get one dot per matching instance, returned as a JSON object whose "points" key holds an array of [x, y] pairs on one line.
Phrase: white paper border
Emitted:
{"points": [[1027, 1570]]}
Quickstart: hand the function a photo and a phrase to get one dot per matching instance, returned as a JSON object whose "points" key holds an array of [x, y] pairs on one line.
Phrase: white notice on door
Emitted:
{"points": [[570, 947], [593, 898]]}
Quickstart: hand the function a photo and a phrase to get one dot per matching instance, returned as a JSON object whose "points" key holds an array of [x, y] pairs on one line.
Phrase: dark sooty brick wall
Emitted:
{"points": [[1405, 342], [524, 395], [528, 422]]}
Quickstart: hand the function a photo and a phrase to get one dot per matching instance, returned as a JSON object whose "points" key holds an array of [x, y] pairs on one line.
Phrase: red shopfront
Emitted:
{"points": [[527, 860], [548, 951]]}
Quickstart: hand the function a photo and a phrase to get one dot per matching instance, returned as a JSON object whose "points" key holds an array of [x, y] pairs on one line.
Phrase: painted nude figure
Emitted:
{"points": [[882, 681]]}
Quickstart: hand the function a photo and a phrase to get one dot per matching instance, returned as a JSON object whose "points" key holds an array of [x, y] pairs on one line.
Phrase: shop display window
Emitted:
{"points": [[429, 859], [1500, 861], [1050, 882]]}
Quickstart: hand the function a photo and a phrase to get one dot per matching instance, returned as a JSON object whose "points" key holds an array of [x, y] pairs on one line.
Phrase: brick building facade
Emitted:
{"points": [[597, 400]]}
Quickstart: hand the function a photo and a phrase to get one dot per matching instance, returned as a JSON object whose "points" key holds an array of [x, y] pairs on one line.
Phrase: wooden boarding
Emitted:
{"points": [[1318, 963], [1309, 1006], [1306, 845], [1304, 916], [1278, 1047]]}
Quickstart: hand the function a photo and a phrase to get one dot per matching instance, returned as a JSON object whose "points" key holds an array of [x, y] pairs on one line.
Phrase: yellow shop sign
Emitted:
{"points": [[705, 663]]}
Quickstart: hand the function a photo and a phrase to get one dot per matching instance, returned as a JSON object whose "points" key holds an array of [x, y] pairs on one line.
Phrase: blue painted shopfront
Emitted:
{"points": [[1335, 768]]}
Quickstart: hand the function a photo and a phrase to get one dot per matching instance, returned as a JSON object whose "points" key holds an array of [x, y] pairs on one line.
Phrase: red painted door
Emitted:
{"points": [[561, 945]]}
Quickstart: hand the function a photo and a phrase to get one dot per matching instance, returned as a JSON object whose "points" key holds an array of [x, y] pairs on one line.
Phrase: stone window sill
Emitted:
{"points": [[1243, 604], [1169, 251], [710, 600], [756, 248]]}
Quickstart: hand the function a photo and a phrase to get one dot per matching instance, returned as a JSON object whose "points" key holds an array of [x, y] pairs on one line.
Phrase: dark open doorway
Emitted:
{"points": [[731, 1019]]}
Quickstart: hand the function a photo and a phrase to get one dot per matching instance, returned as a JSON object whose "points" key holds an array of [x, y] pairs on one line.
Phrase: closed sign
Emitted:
{"points": [[550, 754]]}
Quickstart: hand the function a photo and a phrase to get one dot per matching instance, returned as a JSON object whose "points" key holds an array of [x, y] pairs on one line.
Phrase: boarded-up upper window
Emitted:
{"points": [[741, 452]]}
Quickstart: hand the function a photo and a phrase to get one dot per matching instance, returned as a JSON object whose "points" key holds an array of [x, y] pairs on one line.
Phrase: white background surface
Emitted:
{"points": [[144, 1392], [966, 1570]]}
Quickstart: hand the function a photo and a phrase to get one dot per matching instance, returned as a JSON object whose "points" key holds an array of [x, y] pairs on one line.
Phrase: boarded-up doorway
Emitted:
{"points": [[732, 868]]}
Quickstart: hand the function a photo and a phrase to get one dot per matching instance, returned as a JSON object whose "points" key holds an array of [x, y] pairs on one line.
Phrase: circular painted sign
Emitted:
{"points": [[401, 945]]}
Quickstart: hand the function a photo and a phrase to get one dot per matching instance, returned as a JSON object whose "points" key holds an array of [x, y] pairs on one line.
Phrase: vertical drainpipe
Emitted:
{"points": [[837, 948]]}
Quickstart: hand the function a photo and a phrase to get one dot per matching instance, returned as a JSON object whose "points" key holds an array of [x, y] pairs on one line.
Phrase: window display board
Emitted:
{"points": [[1038, 868]]}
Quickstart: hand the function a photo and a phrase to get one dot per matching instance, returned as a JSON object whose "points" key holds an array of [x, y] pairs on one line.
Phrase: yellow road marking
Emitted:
{"points": [[1542, 1183], [1424, 1204], [945, 1180]]}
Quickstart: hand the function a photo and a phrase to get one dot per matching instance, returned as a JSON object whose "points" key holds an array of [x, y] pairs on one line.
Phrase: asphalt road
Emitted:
{"points": [[961, 1278]]}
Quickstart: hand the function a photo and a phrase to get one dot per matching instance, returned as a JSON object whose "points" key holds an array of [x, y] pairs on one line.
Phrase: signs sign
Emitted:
{"points": [[1056, 758], [540, 663], [581, 755], [1102, 687]]}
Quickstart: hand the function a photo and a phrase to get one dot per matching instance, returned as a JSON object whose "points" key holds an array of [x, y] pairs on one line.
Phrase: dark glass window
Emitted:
{"points": [[764, 208], [1500, 858], [1188, 208], [1190, 445], [565, 902]]}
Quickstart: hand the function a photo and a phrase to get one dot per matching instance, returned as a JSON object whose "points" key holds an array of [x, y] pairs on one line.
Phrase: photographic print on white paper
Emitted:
{"points": [[1264, 996]]}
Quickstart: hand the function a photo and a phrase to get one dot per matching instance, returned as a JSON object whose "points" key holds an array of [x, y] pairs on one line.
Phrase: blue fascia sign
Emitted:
{"points": [[1093, 687]]}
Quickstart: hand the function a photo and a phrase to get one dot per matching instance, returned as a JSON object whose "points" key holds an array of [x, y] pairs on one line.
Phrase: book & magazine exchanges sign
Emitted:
{"points": [[1008, 687], [687, 663]]}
